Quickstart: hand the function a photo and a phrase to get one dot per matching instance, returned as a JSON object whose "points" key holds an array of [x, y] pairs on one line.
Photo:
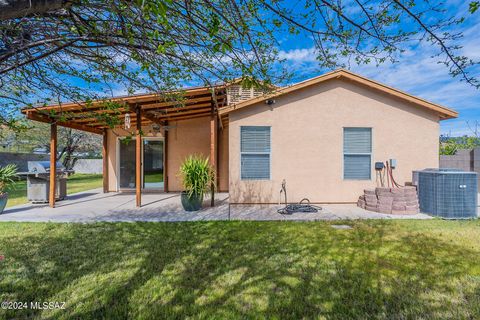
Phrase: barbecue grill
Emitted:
{"points": [[38, 181]]}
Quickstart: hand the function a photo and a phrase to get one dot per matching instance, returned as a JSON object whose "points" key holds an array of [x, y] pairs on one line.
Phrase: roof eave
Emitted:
{"points": [[445, 113]]}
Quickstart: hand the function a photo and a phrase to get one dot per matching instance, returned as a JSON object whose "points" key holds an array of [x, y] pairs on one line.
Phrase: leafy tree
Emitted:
{"points": [[57, 50], [474, 5], [450, 145], [71, 142]]}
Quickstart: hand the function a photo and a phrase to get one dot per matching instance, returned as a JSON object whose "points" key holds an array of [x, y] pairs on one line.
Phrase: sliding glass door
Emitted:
{"points": [[152, 164], [127, 163]]}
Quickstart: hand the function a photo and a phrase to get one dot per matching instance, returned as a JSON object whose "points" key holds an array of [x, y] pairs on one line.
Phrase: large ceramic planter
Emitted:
{"points": [[3, 201], [193, 203]]}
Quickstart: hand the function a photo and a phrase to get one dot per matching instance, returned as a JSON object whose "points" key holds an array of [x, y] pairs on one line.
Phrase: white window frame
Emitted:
{"points": [[257, 153], [370, 154]]}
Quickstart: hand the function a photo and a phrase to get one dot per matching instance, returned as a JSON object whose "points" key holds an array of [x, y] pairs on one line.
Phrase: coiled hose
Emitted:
{"points": [[303, 206]]}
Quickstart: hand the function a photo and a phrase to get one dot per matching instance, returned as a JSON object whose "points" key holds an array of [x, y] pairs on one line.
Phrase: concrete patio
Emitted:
{"points": [[93, 206]]}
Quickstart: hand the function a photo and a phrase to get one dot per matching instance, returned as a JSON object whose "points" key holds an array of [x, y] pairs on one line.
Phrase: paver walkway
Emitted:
{"points": [[93, 205]]}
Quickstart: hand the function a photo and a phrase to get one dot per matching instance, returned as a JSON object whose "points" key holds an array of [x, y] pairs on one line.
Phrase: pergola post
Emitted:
{"points": [[213, 154], [138, 159], [105, 161], [53, 164], [165, 159]]}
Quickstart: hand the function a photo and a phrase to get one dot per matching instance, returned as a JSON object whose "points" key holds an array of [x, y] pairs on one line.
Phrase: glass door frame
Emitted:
{"points": [[141, 169], [160, 189]]}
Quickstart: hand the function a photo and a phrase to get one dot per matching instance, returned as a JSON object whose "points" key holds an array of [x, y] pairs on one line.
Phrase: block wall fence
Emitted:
{"points": [[466, 160]]}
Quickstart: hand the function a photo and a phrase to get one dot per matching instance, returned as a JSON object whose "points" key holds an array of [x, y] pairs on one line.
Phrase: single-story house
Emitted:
{"points": [[322, 136]]}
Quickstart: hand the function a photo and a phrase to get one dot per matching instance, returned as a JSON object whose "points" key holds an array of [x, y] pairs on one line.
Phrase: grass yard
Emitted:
{"points": [[238, 270], [153, 177], [76, 183]]}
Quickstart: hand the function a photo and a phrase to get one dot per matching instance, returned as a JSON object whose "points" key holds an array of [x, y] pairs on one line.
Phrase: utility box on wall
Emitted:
{"points": [[449, 194]]}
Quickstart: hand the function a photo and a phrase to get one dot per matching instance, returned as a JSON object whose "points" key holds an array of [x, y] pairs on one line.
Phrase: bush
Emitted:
{"points": [[197, 175], [8, 174]]}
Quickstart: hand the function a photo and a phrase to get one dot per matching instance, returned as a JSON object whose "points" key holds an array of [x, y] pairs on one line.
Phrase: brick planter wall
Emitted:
{"points": [[390, 200]]}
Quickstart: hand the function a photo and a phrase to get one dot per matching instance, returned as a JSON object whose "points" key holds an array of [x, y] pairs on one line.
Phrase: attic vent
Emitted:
{"points": [[236, 93]]}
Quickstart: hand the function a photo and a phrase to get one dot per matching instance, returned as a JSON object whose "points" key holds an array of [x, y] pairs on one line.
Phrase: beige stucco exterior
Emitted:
{"points": [[184, 138], [307, 122], [307, 141]]}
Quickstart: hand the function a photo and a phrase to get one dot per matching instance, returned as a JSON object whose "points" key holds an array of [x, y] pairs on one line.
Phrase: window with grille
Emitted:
{"points": [[255, 152], [357, 153]]}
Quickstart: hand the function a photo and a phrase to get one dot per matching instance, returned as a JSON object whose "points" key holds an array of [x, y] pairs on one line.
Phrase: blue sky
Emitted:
{"points": [[415, 72]]}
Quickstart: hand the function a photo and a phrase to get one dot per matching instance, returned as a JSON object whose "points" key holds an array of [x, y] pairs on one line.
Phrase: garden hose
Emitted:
{"points": [[303, 206]]}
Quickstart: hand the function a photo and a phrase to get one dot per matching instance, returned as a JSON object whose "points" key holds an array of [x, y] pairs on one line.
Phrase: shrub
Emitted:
{"points": [[197, 175], [8, 174]]}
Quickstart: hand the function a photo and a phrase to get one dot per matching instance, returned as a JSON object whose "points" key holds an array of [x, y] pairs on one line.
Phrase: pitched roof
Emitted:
{"points": [[444, 113]]}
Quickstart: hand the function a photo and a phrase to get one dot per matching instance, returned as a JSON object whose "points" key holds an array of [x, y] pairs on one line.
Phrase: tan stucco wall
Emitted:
{"points": [[193, 136], [184, 138], [190, 136], [223, 159], [112, 160], [307, 141]]}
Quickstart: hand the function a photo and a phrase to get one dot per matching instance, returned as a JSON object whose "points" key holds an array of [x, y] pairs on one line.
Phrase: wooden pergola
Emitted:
{"points": [[143, 110]]}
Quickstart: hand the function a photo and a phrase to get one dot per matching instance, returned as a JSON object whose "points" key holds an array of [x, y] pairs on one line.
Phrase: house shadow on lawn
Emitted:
{"points": [[377, 270]]}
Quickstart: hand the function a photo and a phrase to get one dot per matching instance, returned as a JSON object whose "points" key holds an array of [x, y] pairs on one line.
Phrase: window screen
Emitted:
{"points": [[255, 153], [357, 153]]}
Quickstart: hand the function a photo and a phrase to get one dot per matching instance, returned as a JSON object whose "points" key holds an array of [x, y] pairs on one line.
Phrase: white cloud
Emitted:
{"points": [[299, 55], [416, 72]]}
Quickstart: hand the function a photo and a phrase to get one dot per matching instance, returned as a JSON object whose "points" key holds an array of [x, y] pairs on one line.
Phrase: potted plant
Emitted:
{"points": [[8, 174], [197, 177]]}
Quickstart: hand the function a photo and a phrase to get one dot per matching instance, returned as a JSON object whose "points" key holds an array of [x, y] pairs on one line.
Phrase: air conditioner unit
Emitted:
{"points": [[448, 193], [416, 172]]}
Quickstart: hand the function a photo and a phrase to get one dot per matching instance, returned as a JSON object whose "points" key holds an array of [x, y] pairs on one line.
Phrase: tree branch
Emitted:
{"points": [[14, 9]]}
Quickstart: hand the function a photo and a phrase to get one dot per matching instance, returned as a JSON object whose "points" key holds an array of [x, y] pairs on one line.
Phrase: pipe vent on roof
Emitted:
{"points": [[236, 93]]}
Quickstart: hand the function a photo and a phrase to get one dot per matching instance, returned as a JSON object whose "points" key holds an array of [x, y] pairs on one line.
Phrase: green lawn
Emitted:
{"points": [[238, 270], [153, 177], [76, 183]]}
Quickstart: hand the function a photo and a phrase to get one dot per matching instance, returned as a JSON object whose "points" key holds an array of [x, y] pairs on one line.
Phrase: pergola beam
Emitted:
{"points": [[150, 115], [79, 110], [205, 110], [90, 114], [197, 103], [173, 119], [187, 117], [178, 104], [166, 111], [83, 112], [175, 104], [46, 119], [152, 118], [138, 99], [170, 119]]}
